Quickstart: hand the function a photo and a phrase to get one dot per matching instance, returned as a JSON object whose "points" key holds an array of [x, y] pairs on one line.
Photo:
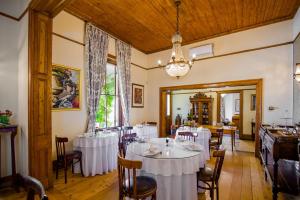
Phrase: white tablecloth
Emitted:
{"points": [[174, 169], [99, 153], [146, 131], [203, 137]]}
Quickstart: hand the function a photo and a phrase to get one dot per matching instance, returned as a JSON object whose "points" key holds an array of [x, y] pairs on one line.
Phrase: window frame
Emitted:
{"points": [[116, 95]]}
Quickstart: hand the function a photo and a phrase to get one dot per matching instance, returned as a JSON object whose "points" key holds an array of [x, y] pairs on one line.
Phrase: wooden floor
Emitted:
{"points": [[242, 178]]}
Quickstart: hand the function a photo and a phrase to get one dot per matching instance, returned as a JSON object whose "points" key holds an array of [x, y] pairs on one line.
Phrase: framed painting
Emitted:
{"points": [[137, 96], [253, 102], [66, 94]]}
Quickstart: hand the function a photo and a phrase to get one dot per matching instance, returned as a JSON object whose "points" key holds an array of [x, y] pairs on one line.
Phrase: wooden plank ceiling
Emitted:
{"points": [[149, 24]]}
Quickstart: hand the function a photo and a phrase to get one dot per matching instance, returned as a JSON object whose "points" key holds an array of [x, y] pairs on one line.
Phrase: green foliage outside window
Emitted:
{"points": [[106, 102]]}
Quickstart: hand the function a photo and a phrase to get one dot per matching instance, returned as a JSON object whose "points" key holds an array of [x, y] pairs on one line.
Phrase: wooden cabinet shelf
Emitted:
{"points": [[201, 110]]}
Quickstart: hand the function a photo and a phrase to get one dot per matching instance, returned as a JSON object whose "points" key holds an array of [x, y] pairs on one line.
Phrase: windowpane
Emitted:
{"points": [[110, 80], [111, 111], [101, 114]]}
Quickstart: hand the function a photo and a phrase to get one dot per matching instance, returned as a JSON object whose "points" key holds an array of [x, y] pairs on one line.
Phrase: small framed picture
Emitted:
{"points": [[137, 96], [253, 102], [66, 93]]}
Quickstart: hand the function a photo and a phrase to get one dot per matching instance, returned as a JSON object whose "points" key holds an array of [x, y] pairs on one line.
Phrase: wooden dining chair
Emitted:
{"points": [[131, 185], [32, 186], [210, 177], [188, 135], [64, 159], [217, 141]]}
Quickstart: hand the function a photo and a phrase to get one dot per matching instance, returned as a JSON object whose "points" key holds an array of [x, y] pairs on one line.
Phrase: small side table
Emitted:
{"points": [[13, 130]]}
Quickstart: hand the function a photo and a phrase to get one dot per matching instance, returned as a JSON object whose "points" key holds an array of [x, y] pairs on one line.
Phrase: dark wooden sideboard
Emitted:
{"points": [[12, 130], [279, 155]]}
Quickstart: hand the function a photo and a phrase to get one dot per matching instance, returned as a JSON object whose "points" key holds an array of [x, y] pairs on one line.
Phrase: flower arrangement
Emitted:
{"points": [[4, 116]]}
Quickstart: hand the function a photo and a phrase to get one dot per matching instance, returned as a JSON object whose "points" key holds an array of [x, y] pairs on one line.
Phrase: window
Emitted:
{"points": [[109, 109]]}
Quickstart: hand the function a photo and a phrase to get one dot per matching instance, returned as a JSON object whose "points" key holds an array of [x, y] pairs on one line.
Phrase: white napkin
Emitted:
{"points": [[191, 146]]}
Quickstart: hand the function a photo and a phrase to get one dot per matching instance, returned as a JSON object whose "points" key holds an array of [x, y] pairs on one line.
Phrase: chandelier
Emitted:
{"points": [[177, 66]]}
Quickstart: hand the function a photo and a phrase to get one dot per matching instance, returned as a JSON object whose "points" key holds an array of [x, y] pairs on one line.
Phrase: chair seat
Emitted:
{"points": [[144, 185], [205, 174], [73, 154]]}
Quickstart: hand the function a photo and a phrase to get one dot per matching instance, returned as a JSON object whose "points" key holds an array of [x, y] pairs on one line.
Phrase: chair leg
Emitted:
{"points": [[56, 166], [217, 188], [66, 170], [72, 165], [80, 162], [30, 194], [153, 196], [212, 193]]}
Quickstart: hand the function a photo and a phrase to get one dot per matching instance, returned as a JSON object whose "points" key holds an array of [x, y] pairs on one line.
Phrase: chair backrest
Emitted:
{"points": [[32, 186], [125, 140], [219, 155], [127, 173], [60, 147], [220, 133], [129, 137], [188, 135]]}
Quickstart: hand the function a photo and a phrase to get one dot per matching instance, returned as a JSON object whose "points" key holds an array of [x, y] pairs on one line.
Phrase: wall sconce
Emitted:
{"points": [[297, 73]]}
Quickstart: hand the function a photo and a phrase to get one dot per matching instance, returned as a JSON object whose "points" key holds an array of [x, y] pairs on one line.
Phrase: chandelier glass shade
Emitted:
{"points": [[177, 66]]}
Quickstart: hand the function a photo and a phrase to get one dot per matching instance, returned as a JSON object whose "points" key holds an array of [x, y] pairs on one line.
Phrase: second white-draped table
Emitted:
{"points": [[99, 152], [174, 169], [203, 137], [145, 131]]}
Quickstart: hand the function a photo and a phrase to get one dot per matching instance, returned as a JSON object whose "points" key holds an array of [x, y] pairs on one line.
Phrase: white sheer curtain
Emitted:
{"points": [[123, 54], [96, 50]]}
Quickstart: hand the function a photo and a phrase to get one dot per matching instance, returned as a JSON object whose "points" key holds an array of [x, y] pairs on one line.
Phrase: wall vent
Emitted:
{"points": [[202, 51]]}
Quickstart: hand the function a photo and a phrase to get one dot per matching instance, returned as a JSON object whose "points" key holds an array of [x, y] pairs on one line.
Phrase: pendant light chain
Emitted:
{"points": [[177, 17]]}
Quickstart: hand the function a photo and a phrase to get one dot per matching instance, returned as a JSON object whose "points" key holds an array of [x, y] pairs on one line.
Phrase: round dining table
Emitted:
{"points": [[203, 135], [99, 152], [174, 168]]}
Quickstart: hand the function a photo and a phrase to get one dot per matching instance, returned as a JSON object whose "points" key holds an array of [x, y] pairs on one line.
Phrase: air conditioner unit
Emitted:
{"points": [[202, 51]]}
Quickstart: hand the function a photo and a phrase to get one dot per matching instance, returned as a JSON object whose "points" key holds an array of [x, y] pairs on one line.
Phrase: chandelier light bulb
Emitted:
{"points": [[159, 62]]}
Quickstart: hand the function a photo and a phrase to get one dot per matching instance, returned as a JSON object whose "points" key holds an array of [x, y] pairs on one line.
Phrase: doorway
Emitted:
{"points": [[218, 89]]}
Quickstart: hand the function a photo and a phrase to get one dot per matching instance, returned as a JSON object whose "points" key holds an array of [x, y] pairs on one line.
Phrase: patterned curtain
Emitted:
{"points": [[96, 50], [123, 53]]}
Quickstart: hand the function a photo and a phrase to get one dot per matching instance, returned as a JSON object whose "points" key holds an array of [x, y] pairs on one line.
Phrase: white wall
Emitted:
{"points": [[64, 52], [14, 89], [273, 65], [13, 7], [8, 81], [229, 101], [296, 24]]}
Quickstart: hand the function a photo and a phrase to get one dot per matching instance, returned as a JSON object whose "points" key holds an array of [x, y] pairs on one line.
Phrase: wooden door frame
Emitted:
{"points": [[39, 87], [259, 98], [241, 106]]}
